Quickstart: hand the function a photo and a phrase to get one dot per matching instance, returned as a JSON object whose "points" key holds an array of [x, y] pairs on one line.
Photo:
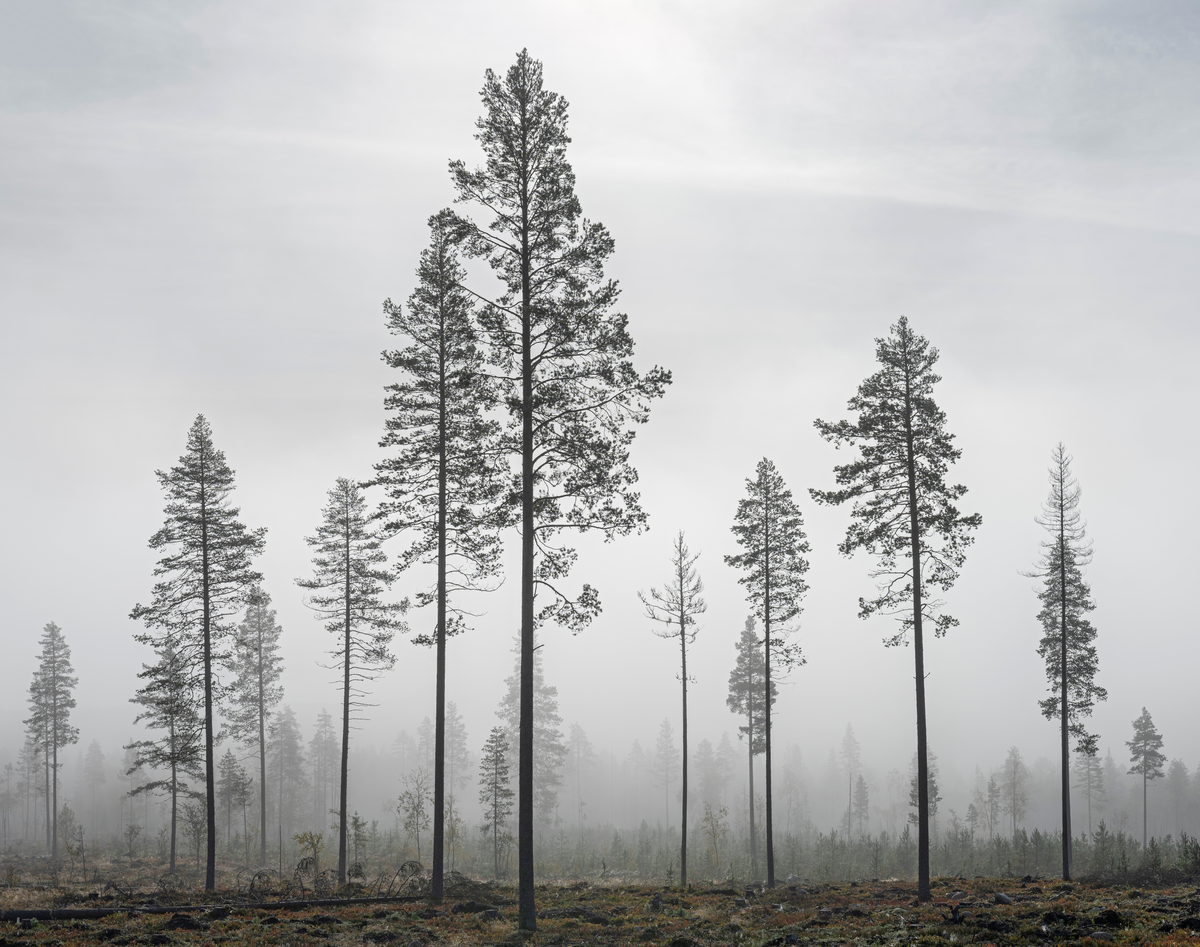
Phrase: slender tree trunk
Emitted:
{"points": [[210, 779], [526, 910], [924, 892], [1066, 760], [345, 721], [262, 756], [46, 761], [750, 740], [54, 764], [684, 824], [439, 738], [767, 677], [174, 811], [1145, 819]]}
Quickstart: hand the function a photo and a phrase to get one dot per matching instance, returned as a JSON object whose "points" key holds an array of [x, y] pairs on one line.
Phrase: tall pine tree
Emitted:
{"points": [[677, 606], [204, 577], [349, 581], [51, 700], [1145, 752], [770, 530], [564, 358], [1068, 638], [904, 513], [441, 480]]}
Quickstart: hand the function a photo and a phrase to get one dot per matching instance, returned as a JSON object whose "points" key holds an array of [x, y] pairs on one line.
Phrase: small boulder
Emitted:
{"points": [[1002, 898]]}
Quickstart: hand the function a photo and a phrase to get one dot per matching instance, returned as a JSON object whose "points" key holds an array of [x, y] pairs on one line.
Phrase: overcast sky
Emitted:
{"points": [[203, 206]]}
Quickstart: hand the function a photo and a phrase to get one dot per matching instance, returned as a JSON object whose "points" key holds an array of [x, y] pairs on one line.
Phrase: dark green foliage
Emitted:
{"points": [[349, 579], [904, 511], [770, 530], [564, 362], [204, 577]]}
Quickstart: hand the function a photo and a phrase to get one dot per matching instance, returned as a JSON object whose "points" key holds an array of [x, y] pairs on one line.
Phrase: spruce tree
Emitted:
{"points": [[204, 577], [549, 749], [441, 478], [662, 766], [1068, 638], [285, 769], [495, 794], [1145, 752], [747, 686], [51, 700], [563, 356], [172, 701], [348, 584], [258, 664], [770, 530], [903, 512], [677, 606]]}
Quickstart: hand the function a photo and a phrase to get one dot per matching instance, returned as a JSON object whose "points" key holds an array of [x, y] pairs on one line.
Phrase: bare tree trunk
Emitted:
{"points": [[766, 502], [210, 780], [684, 824], [924, 892], [439, 739], [262, 757], [1066, 759], [526, 910], [345, 721]]}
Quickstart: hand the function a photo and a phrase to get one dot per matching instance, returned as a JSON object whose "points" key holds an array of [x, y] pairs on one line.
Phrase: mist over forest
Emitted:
{"points": [[226, 262]]}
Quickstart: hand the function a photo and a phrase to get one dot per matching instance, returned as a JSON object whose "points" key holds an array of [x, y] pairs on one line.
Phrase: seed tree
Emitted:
{"points": [[563, 360], [51, 700], [348, 583], [748, 695], [770, 530], [171, 699], [258, 664], [1068, 638], [440, 482], [676, 607], [903, 512], [1145, 752], [204, 578]]}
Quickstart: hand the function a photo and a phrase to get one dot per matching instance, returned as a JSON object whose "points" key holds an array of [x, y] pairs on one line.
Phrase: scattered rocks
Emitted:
{"points": [[1109, 918], [1001, 898]]}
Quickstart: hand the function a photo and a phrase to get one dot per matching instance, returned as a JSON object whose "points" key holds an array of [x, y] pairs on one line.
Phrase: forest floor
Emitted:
{"points": [[995, 911]]}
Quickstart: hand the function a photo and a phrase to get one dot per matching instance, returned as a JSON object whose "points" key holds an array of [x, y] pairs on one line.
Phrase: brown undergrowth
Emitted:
{"points": [[980, 911]]}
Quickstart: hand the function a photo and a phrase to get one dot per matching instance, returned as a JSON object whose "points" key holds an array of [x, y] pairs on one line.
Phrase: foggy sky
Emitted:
{"points": [[202, 208]]}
